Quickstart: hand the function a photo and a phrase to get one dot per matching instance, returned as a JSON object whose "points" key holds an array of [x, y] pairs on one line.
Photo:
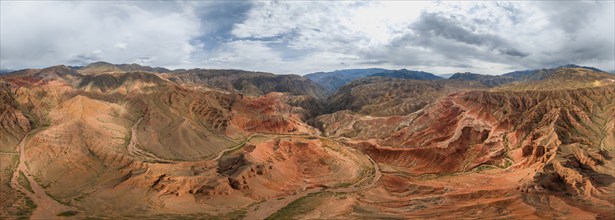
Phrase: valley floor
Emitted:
{"points": [[384, 191]]}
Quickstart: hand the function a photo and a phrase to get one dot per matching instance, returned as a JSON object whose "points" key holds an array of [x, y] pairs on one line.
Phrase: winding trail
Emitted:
{"points": [[604, 129], [47, 207], [9, 153], [239, 145], [138, 152], [358, 185], [135, 151]]}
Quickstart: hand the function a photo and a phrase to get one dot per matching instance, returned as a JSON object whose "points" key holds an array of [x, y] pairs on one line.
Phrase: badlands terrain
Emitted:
{"points": [[109, 141]]}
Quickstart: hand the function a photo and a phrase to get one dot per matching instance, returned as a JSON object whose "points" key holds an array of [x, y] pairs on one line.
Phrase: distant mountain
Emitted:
{"points": [[522, 75], [487, 80], [469, 76], [528, 75], [104, 67], [407, 74], [103, 77], [446, 76], [386, 96], [541, 74], [59, 72], [249, 83], [108, 82], [561, 78], [583, 67], [3, 71], [331, 81]]}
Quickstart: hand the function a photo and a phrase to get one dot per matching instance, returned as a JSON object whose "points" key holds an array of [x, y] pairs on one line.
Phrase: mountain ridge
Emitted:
{"points": [[179, 144], [331, 81], [105, 67], [407, 74]]}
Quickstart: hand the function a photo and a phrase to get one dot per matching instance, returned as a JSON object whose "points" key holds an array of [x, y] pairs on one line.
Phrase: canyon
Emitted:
{"points": [[130, 141]]}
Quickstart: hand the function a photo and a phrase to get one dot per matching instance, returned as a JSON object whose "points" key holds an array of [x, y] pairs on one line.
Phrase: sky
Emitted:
{"points": [[295, 37]]}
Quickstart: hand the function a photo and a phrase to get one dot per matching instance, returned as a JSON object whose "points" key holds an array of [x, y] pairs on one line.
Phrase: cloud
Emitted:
{"points": [[85, 58], [257, 56], [489, 37], [431, 25], [217, 20], [573, 16], [39, 34], [302, 37], [436, 25], [513, 52]]}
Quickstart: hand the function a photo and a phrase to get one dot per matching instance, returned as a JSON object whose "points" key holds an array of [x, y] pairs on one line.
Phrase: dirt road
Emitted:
{"points": [[234, 148]]}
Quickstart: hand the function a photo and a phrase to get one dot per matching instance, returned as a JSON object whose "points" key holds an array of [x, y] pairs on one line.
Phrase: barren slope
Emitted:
{"points": [[152, 146], [380, 96], [249, 83]]}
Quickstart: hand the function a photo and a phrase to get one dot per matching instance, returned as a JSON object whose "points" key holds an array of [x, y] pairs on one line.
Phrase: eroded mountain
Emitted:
{"points": [[331, 81], [524, 76], [407, 74], [236, 145], [104, 67], [384, 96], [249, 83]]}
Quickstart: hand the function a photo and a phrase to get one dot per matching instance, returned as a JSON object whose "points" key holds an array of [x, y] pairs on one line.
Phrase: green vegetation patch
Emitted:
{"points": [[24, 210], [342, 185], [300, 206], [23, 181], [68, 213], [484, 167], [234, 215]]}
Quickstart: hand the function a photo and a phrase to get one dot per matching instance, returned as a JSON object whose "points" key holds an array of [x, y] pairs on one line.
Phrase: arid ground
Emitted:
{"points": [[113, 142]]}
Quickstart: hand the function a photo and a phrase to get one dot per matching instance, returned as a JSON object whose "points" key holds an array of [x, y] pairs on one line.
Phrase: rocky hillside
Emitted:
{"points": [[407, 74], [104, 67], [228, 144], [553, 144], [331, 81], [380, 96], [563, 78], [249, 83], [59, 72], [530, 76], [487, 80]]}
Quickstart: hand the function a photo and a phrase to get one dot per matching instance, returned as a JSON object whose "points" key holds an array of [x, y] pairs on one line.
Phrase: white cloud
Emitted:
{"points": [[507, 35], [301, 37], [257, 56], [329, 25], [487, 37], [39, 34]]}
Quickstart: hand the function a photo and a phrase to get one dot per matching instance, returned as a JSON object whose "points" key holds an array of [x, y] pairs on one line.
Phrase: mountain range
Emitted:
{"points": [[129, 141], [335, 79]]}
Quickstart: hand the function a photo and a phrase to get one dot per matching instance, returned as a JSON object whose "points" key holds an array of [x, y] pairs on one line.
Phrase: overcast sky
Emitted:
{"points": [[303, 37]]}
